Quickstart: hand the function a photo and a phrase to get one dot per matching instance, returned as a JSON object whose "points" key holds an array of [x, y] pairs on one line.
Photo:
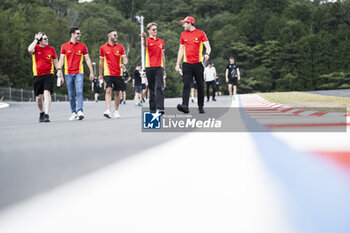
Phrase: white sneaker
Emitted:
{"points": [[80, 115], [73, 116], [107, 113], [116, 114]]}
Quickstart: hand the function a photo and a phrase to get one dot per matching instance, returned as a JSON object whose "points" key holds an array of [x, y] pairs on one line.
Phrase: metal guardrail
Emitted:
{"points": [[22, 95]]}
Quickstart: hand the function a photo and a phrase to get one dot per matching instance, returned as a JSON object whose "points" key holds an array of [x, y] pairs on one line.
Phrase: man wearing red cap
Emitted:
{"points": [[191, 49]]}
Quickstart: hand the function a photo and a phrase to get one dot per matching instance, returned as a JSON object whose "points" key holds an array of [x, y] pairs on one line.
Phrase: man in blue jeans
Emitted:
{"points": [[73, 53]]}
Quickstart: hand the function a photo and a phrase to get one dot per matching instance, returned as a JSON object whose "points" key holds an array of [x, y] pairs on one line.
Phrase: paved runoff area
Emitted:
{"points": [[107, 175], [340, 93]]}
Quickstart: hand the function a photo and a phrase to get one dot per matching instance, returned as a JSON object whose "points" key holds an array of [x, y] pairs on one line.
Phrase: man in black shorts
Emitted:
{"points": [[232, 76], [126, 79], [95, 87], [44, 57], [112, 53], [137, 84], [217, 84]]}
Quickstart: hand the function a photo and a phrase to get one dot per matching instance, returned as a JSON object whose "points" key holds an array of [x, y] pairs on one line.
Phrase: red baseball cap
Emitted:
{"points": [[189, 19]]}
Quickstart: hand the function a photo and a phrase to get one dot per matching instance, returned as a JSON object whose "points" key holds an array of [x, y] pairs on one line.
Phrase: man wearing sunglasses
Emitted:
{"points": [[191, 47], [72, 55], [111, 56], [44, 58], [155, 64]]}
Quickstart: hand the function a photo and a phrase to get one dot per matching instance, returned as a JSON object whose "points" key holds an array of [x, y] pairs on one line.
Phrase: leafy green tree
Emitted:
{"points": [[278, 44], [289, 82]]}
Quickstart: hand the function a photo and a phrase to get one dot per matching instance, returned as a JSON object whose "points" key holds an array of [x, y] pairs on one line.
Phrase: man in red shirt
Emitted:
{"points": [[73, 53], [111, 56], [155, 64], [191, 49], [44, 58]]}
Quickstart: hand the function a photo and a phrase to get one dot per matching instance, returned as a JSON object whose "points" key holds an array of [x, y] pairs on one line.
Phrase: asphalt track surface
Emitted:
{"points": [[37, 156], [104, 175], [339, 93]]}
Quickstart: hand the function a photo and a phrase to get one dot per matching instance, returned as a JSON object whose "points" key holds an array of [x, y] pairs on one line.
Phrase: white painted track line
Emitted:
{"points": [[4, 105]]}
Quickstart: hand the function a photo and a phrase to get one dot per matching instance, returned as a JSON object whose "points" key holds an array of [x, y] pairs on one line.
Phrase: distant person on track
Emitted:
{"points": [[164, 80], [137, 84], [72, 55], [209, 77], [155, 64], [217, 83], [191, 46], [194, 91], [232, 76], [112, 61], [126, 78], [44, 59], [96, 87], [144, 84]]}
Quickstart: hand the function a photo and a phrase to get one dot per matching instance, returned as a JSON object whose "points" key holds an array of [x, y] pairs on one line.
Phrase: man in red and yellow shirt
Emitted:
{"points": [[44, 58], [155, 64], [72, 55], [112, 60], [191, 50]]}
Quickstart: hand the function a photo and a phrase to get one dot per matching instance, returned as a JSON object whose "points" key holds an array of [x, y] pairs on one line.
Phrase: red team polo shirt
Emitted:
{"points": [[193, 45], [43, 60], [112, 56], [154, 55], [73, 57]]}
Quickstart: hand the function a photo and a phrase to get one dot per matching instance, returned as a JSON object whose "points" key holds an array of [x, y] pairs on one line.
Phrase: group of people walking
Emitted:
{"points": [[112, 70]]}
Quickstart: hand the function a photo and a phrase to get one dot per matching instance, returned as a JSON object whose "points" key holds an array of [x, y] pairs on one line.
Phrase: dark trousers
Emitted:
{"points": [[155, 85], [189, 71], [213, 85]]}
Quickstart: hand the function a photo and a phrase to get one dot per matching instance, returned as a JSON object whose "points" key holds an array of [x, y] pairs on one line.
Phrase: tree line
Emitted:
{"points": [[279, 45]]}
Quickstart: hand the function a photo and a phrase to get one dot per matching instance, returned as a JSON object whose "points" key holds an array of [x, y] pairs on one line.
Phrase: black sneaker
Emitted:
{"points": [[41, 117], [124, 102], [201, 110], [214, 99], [161, 111], [182, 108], [192, 100], [46, 118], [121, 101]]}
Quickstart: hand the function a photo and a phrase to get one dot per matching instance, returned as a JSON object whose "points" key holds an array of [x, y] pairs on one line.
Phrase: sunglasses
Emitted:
{"points": [[154, 29], [115, 35], [47, 38], [78, 33]]}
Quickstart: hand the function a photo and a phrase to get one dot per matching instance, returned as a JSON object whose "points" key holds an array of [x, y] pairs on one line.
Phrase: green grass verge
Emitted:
{"points": [[306, 100]]}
